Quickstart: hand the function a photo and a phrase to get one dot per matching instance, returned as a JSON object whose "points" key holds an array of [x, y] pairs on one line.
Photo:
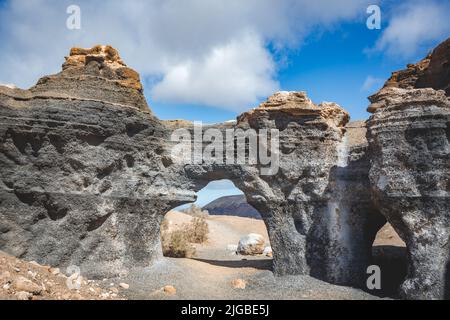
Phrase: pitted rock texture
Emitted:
{"points": [[408, 137], [410, 153], [317, 206], [431, 72], [87, 175], [81, 160], [96, 74], [77, 181]]}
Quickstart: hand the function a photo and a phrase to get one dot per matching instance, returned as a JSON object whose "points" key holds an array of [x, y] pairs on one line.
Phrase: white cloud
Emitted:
{"points": [[372, 84], [232, 75], [414, 25], [206, 52]]}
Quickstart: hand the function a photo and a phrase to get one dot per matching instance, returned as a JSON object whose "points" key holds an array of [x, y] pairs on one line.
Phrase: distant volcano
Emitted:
{"points": [[232, 206]]}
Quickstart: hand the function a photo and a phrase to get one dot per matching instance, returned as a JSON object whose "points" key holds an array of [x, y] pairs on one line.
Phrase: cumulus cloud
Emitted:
{"points": [[193, 51], [231, 75], [371, 83], [413, 26]]}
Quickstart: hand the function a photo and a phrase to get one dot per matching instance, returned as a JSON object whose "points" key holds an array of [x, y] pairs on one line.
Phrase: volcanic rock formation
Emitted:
{"points": [[88, 172], [410, 153]]}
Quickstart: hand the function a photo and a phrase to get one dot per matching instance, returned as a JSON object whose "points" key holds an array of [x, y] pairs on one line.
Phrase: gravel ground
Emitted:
{"points": [[194, 279]]}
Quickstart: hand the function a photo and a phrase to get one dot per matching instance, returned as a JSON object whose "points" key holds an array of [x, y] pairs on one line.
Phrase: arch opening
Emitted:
{"points": [[219, 230], [390, 254]]}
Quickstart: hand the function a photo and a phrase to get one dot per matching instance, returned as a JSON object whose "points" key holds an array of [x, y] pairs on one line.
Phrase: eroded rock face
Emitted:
{"points": [[87, 175], [96, 74], [81, 164], [431, 72], [317, 206], [408, 135], [410, 153]]}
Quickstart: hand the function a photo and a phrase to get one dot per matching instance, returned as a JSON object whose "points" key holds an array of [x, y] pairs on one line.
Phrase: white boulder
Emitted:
{"points": [[251, 244]]}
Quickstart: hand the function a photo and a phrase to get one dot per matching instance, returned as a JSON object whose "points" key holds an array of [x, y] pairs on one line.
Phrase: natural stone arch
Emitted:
{"points": [[322, 174], [86, 173]]}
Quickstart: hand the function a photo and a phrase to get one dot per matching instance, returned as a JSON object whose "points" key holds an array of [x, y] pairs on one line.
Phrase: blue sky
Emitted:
{"points": [[211, 60]]}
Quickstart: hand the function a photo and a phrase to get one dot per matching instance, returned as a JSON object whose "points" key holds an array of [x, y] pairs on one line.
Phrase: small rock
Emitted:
{"points": [[238, 283], [65, 296], [268, 251], [54, 271], [170, 290], [24, 284], [22, 295], [75, 280], [76, 296], [114, 290], [104, 295], [124, 285]]}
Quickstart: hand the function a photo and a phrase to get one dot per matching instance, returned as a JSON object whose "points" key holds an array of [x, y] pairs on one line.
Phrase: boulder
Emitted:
{"points": [[251, 244], [21, 283]]}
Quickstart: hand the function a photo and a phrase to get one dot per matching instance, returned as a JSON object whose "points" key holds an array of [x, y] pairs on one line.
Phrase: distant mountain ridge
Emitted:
{"points": [[233, 206]]}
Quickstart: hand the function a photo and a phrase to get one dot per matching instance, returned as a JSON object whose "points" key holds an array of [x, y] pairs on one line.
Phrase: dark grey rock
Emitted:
{"points": [[87, 174], [408, 136]]}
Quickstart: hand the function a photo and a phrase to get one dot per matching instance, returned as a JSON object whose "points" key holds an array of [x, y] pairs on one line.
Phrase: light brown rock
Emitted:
{"points": [[238, 283], [23, 295], [124, 285], [170, 290], [23, 284]]}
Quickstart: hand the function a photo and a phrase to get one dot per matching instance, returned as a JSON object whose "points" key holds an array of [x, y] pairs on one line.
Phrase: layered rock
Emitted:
{"points": [[81, 164], [431, 72], [87, 174], [95, 74], [408, 135], [317, 205], [410, 153]]}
